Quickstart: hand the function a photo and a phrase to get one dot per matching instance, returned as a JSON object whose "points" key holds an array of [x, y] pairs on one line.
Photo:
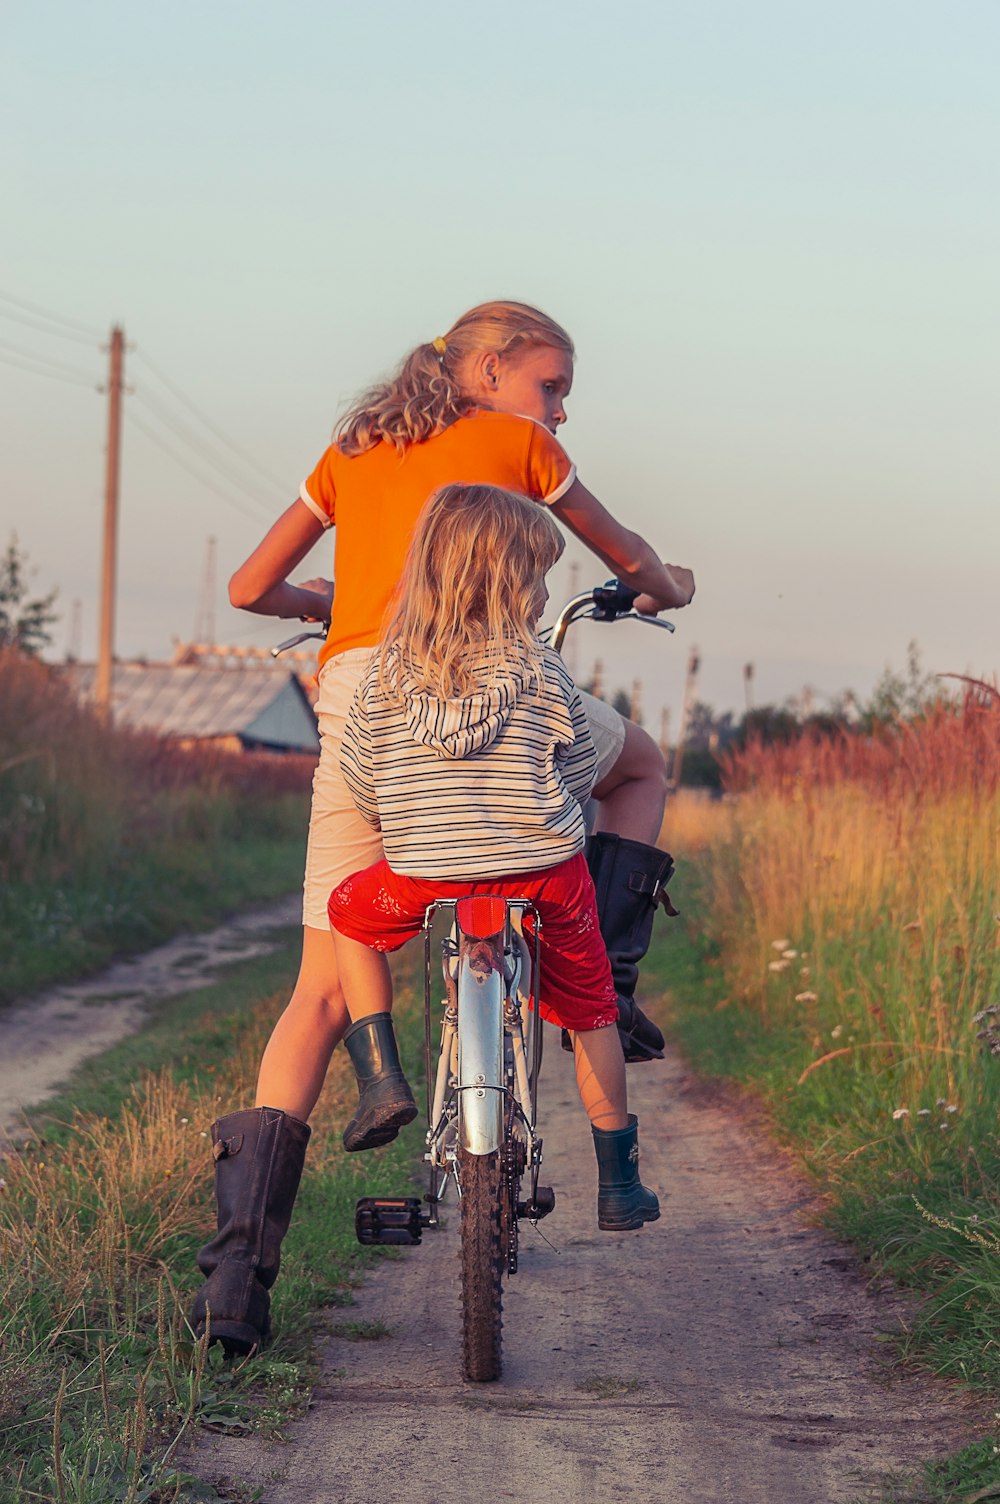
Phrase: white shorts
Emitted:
{"points": [[608, 731], [340, 841]]}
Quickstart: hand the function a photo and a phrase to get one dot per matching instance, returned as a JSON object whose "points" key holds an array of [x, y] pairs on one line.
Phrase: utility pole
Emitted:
{"points": [[694, 663], [204, 627], [109, 560], [665, 731], [748, 685]]}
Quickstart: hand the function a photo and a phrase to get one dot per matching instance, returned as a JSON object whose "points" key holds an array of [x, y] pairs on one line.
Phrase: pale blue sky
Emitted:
{"points": [[772, 230]]}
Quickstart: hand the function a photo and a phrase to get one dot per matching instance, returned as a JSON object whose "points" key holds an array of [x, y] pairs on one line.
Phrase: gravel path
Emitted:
{"points": [[728, 1354]]}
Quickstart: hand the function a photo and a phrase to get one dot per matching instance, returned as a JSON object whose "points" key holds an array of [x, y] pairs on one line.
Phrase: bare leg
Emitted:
{"points": [[600, 1076], [295, 1062], [365, 977], [633, 793]]}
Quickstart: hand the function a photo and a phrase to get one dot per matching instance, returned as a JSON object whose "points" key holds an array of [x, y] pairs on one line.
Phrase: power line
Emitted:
{"points": [[193, 407], [178, 459], [35, 370], [201, 448], [54, 365], [53, 318], [33, 323]]}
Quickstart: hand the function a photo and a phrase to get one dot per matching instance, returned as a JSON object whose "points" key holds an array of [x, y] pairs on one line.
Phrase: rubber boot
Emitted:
{"points": [[623, 1202], [258, 1165], [385, 1101], [630, 879]]}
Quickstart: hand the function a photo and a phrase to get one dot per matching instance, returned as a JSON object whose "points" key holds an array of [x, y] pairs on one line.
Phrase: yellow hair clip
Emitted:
{"points": [[440, 344]]}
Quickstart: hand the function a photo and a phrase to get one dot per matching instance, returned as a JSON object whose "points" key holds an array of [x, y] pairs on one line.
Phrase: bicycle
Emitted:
{"points": [[482, 1088]]}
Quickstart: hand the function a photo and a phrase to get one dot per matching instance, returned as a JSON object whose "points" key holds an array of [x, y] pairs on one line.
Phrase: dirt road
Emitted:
{"points": [[45, 1038], [727, 1354]]}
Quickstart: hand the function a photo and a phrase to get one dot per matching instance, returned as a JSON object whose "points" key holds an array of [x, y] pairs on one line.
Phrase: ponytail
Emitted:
{"points": [[425, 394]]}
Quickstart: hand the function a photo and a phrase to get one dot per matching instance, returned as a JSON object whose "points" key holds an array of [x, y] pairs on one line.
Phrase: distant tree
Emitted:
{"points": [[901, 696], [621, 702], [707, 729], [768, 723], [24, 622]]}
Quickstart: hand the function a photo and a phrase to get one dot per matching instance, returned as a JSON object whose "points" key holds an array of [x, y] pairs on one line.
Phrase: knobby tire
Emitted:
{"points": [[483, 1256]]}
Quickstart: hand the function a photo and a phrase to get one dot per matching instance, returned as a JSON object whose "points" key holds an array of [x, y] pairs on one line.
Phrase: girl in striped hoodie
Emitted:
{"points": [[468, 749]]}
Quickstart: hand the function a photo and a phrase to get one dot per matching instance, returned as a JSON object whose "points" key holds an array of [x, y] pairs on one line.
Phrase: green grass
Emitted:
{"points": [[104, 1210], [54, 932], [917, 1196]]}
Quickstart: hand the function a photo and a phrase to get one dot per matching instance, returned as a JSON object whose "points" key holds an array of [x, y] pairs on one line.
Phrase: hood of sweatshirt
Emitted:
{"points": [[456, 728]]}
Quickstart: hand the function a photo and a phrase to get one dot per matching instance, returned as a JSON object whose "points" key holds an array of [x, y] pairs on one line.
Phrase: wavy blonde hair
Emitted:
{"points": [[465, 608], [425, 394]]}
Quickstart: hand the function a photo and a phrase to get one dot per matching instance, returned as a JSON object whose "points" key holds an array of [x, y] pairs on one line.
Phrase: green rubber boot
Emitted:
{"points": [[385, 1101], [623, 1202]]}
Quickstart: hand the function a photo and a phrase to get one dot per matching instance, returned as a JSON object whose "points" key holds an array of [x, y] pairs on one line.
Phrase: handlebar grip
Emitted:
{"points": [[613, 599]]}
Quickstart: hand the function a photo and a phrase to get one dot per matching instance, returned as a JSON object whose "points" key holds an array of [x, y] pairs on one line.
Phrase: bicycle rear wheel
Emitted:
{"points": [[483, 1183]]}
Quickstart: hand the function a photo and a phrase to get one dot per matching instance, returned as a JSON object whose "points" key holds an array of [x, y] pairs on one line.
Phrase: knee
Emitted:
{"points": [[642, 759]]}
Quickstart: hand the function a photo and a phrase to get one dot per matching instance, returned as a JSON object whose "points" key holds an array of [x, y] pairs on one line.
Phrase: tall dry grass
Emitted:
{"points": [[73, 791], [112, 839], [856, 903]]}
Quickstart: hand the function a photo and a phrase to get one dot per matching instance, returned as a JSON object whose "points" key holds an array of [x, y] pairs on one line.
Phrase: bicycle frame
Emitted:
{"points": [[481, 1077]]}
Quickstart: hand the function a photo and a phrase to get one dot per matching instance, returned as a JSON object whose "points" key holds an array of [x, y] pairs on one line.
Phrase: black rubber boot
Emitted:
{"points": [[258, 1165], [623, 1202], [630, 879], [385, 1101]]}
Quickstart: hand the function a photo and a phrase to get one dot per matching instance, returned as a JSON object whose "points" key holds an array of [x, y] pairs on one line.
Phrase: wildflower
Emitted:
{"points": [[944, 1127], [779, 944], [836, 1033], [941, 1102], [805, 997], [185, 1120], [3, 1184], [900, 1112], [777, 965], [951, 1107], [789, 955], [924, 1112], [804, 971], [203, 1133]]}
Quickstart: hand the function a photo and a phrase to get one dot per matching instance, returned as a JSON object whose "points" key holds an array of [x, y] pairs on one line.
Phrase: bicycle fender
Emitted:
{"points": [[480, 1043]]}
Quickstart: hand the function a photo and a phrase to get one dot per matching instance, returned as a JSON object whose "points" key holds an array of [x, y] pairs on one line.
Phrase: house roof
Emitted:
{"points": [[261, 703]]}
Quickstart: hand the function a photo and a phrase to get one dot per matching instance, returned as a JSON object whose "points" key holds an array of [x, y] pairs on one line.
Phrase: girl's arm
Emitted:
{"points": [[661, 586], [261, 585]]}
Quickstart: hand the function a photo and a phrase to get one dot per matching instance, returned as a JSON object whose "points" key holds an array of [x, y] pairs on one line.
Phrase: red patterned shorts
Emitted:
{"points": [[383, 909]]}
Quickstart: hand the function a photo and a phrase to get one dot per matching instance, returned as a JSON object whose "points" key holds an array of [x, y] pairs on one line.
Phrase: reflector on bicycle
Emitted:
{"points": [[482, 915]]}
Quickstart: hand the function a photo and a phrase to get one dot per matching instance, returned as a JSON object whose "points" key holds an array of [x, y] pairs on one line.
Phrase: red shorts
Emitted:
{"points": [[384, 909]]}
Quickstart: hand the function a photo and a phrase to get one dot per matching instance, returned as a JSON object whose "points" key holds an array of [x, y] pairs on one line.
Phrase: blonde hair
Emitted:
{"points": [[465, 608], [425, 394]]}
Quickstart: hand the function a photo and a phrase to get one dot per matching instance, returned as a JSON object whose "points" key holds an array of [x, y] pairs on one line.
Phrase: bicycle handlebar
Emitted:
{"points": [[611, 601]]}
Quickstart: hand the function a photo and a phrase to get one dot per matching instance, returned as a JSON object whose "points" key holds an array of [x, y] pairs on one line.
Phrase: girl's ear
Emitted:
{"points": [[486, 371]]}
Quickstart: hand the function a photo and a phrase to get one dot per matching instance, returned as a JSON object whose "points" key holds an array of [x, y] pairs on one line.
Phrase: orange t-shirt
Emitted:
{"points": [[374, 500]]}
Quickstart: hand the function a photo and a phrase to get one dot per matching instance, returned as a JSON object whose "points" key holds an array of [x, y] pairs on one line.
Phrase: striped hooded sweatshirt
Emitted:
{"points": [[486, 786]]}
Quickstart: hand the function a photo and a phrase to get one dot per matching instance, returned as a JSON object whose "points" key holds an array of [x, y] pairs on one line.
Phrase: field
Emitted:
{"points": [[111, 841], [846, 972]]}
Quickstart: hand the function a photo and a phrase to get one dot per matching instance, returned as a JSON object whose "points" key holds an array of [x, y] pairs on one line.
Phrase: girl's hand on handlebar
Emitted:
{"points": [[317, 609], [651, 605]]}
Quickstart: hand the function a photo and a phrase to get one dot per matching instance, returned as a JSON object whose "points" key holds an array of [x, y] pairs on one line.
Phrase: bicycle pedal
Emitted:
{"points": [[543, 1203], [390, 1220]]}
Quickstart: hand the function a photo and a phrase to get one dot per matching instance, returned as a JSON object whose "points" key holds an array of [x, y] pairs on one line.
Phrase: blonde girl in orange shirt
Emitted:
{"points": [[481, 403]]}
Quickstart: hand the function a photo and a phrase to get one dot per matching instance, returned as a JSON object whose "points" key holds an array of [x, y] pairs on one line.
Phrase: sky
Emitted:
{"points": [[772, 230]]}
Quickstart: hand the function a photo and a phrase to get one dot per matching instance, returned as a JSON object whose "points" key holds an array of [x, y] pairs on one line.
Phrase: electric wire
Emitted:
{"points": [[195, 442], [77, 378], [71, 326], [193, 407], [154, 438], [40, 328]]}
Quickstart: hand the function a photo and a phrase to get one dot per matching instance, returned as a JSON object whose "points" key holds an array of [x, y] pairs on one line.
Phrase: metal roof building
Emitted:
{"points": [[259, 706]]}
